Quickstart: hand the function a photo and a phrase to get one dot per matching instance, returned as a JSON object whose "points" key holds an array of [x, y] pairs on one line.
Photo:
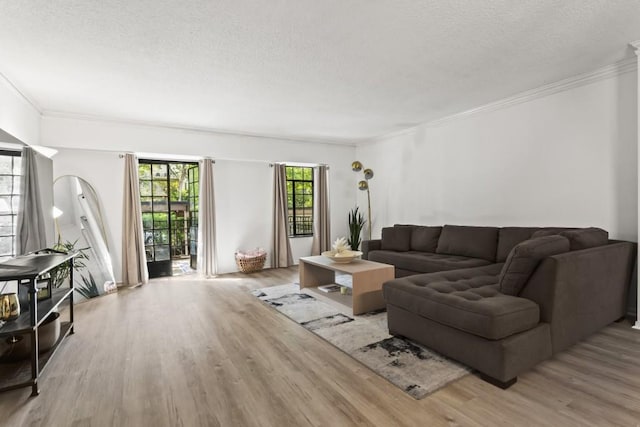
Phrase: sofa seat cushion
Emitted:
{"points": [[471, 304], [424, 262]]}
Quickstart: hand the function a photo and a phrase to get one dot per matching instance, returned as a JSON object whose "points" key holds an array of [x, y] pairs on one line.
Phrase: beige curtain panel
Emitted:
{"points": [[206, 221], [31, 219], [134, 259], [321, 215], [281, 253]]}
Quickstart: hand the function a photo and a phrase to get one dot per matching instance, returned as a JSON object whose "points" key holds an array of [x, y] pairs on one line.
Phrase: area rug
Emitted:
{"points": [[411, 367]]}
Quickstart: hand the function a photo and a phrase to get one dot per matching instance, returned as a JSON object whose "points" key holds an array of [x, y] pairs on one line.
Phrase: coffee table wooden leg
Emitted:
{"points": [[312, 275], [367, 290]]}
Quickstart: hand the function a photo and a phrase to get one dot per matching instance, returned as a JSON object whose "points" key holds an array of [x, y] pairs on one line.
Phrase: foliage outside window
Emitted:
{"points": [[165, 190], [300, 200], [10, 170]]}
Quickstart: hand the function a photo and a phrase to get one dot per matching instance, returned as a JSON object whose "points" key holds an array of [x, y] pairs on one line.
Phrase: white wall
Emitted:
{"points": [[243, 206], [105, 172], [18, 117], [242, 176], [569, 158]]}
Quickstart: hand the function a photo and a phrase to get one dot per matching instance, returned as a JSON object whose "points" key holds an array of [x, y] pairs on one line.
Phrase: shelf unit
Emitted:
{"points": [[26, 270]]}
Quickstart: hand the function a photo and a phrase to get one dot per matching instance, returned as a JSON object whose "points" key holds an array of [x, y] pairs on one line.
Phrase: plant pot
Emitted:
{"points": [[18, 347]]}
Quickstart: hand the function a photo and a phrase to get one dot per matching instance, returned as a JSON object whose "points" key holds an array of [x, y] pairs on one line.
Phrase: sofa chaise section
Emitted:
{"points": [[580, 292], [541, 291]]}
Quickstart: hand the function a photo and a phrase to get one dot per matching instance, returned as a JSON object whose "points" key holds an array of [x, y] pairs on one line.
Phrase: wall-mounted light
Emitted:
{"points": [[57, 212]]}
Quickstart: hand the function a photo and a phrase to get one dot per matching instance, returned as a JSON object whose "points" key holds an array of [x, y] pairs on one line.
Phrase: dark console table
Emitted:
{"points": [[26, 270]]}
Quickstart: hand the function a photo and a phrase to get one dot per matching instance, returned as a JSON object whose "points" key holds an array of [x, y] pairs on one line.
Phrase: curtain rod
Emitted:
{"points": [[302, 165], [177, 158], [121, 155]]}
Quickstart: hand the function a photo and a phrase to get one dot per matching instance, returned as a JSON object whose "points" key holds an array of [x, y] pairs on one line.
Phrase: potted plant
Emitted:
{"points": [[356, 224], [90, 288], [61, 273]]}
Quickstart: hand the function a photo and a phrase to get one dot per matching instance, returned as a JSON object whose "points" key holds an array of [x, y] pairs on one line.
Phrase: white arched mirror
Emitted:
{"points": [[79, 226]]}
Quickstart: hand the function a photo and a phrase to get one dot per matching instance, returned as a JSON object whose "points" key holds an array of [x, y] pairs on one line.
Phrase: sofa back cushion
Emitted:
{"points": [[508, 237], [425, 239], [474, 242], [585, 238], [396, 238], [550, 231], [525, 257], [579, 238]]}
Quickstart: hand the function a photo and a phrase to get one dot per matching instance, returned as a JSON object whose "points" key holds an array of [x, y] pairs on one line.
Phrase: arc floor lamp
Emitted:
{"points": [[364, 185]]}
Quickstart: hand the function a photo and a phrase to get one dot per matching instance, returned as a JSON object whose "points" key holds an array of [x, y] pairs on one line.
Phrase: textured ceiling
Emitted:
{"points": [[341, 70]]}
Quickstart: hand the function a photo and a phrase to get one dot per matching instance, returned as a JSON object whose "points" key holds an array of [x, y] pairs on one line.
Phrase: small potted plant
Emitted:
{"points": [[356, 224], [61, 273]]}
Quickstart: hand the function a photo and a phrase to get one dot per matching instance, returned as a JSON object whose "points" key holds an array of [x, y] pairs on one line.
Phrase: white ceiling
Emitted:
{"points": [[340, 70]]}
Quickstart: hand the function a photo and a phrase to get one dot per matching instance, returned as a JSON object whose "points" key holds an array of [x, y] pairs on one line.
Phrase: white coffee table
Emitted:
{"points": [[367, 278]]}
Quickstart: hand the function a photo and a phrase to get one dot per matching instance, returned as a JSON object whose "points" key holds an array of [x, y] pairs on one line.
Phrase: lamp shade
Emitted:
{"points": [[356, 166], [368, 174], [363, 185]]}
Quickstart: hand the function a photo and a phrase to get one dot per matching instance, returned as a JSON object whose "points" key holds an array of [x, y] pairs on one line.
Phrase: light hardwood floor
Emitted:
{"points": [[186, 352]]}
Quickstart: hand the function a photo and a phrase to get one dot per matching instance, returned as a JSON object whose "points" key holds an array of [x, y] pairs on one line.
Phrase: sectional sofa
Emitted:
{"points": [[501, 300]]}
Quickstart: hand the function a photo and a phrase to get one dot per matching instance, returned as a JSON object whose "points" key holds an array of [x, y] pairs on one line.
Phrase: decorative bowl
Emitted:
{"points": [[343, 257], [18, 347]]}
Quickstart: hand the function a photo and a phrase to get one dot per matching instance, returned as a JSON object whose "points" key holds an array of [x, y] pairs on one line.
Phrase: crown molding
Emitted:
{"points": [[21, 94], [618, 68], [195, 129]]}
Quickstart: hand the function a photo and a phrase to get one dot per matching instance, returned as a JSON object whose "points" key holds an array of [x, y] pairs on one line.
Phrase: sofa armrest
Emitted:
{"points": [[370, 245], [582, 291]]}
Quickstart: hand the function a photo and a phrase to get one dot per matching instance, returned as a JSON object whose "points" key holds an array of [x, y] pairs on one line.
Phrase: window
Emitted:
{"points": [[300, 200], [10, 165]]}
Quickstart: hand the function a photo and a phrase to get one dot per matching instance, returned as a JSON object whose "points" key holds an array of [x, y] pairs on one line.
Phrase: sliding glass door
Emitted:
{"points": [[154, 197], [194, 194]]}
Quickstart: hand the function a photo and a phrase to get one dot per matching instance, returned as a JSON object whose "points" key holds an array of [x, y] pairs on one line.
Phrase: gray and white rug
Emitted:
{"points": [[413, 368]]}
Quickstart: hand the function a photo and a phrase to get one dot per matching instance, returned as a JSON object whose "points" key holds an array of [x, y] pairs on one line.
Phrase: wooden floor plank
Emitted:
{"points": [[191, 352]]}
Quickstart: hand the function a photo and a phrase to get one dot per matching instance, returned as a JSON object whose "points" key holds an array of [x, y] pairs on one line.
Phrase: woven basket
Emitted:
{"points": [[249, 265]]}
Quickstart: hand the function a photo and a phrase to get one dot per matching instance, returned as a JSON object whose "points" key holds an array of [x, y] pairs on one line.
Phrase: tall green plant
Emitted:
{"points": [[356, 224]]}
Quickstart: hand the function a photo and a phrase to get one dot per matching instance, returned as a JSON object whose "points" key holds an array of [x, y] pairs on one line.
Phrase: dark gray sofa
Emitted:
{"points": [[501, 300]]}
